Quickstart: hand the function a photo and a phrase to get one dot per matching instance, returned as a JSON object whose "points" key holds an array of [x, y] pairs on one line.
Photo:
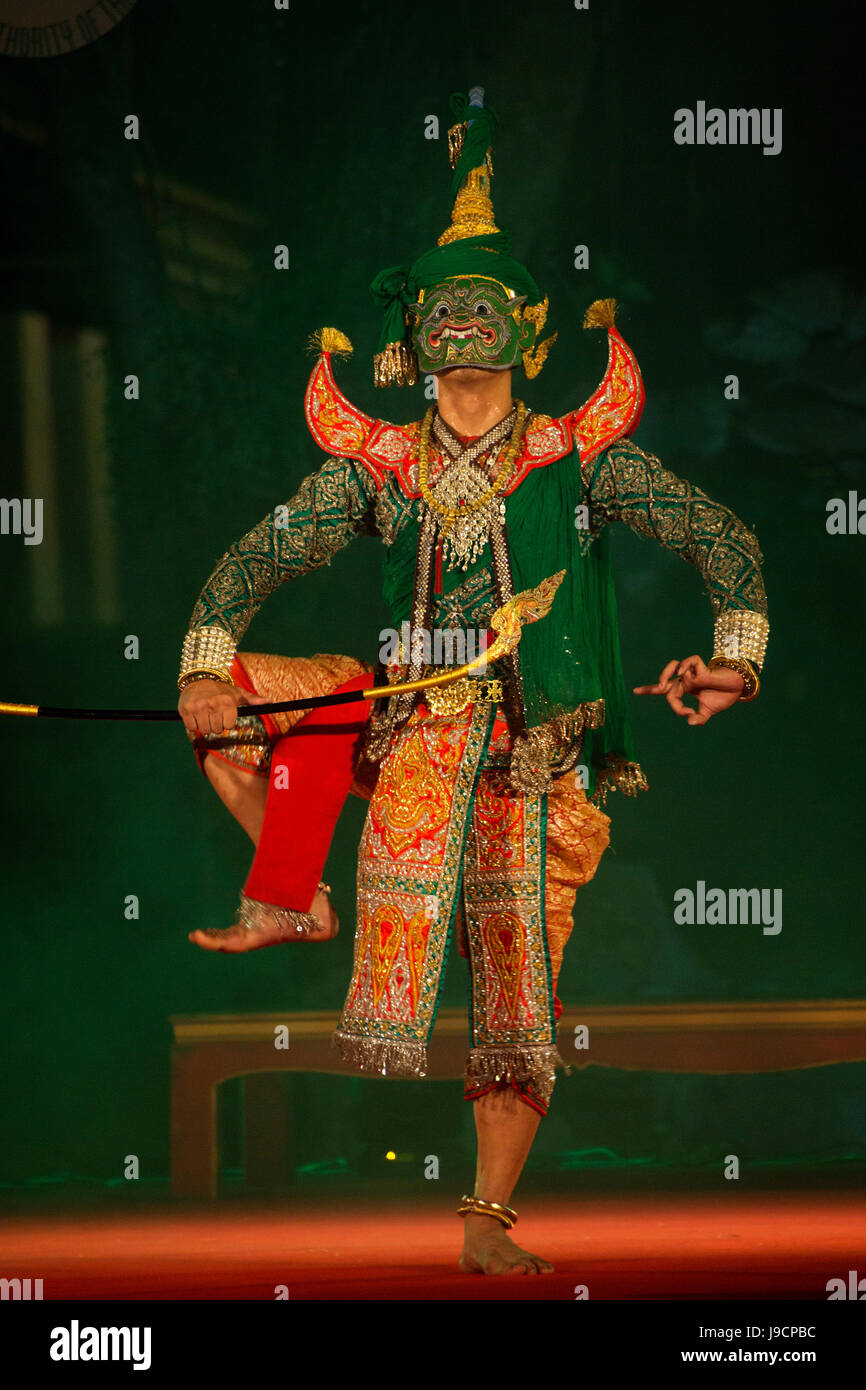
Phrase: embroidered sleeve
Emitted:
{"points": [[329, 508], [629, 485]]}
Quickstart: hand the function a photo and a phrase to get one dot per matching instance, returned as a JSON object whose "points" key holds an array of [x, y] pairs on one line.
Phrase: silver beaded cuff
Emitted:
{"points": [[208, 651], [742, 633]]}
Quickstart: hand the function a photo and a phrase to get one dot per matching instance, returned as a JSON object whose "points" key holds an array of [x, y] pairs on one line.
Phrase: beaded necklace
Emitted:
{"points": [[460, 498]]}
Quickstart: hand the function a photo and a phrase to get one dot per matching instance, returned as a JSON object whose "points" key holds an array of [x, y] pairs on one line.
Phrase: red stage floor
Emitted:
{"points": [[768, 1245]]}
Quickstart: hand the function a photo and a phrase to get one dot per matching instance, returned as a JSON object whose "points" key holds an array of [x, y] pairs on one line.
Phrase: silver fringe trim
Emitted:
{"points": [[258, 916], [387, 1056], [486, 1065]]}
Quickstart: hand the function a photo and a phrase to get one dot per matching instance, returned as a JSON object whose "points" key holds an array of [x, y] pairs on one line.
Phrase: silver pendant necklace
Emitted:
{"points": [[461, 483]]}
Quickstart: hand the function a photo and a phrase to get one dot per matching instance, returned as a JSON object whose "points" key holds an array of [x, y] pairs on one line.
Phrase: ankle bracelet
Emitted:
{"points": [[477, 1206], [258, 917]]}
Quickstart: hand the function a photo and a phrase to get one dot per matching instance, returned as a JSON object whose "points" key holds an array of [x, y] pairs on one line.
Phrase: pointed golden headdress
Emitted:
{"points": [[472, 245], [472, 214]]}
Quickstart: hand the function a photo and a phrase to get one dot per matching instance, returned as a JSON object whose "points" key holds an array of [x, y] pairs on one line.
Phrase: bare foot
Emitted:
{"points": [[489, 1249], [238, 938]]}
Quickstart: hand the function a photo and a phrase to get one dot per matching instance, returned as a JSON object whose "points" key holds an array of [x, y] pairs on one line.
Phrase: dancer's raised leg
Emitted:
{"points": [[244, 795]]}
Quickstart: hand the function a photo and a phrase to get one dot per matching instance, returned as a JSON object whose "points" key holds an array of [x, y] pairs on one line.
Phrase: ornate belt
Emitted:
{"points": [[448, 700]]}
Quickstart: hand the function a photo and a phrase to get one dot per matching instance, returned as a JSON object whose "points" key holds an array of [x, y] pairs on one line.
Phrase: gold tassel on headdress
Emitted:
{"points": [[600, 314], [330, 340], [535, 358]]}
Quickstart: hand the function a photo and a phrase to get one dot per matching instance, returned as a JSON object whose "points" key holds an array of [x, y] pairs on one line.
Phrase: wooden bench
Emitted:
{"points": [[208, 1049]]}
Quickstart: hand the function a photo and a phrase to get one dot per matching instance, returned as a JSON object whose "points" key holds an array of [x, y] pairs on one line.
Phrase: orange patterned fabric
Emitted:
{"points": [[577, 836], [578, 833], [499, 822], [248, 746], [297, 678], [503, 905], [513, 924], [409, 864], [433, 791], [414, 799]]}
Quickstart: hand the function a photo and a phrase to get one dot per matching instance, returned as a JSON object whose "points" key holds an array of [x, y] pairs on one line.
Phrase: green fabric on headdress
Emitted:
{"points": [[396, 288], [478, 137]]}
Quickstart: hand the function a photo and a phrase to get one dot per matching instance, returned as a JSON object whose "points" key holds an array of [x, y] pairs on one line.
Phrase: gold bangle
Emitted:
{"points": [[477, 1206], [744, 668], [204, 675]]}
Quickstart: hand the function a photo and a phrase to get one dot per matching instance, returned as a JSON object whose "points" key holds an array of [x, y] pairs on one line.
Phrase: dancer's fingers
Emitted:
{"points": [[691, 670]]}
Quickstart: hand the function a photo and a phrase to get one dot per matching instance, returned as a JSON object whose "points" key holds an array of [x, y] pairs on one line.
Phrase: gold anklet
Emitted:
{"points": [[477, 1206]]}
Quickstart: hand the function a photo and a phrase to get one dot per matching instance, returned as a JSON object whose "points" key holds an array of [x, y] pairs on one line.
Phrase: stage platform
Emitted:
{"points": [[725, 1244]]}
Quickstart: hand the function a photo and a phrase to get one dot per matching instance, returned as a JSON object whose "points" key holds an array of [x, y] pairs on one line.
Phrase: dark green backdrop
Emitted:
{"points": [[307, 128]]}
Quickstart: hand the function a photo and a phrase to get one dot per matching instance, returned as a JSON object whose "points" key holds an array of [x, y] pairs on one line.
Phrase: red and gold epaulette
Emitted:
{"points": [[342, 430]]}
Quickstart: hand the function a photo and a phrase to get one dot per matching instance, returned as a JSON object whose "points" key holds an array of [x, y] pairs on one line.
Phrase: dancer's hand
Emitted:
{"points": [[211, 707], [714, 690]]}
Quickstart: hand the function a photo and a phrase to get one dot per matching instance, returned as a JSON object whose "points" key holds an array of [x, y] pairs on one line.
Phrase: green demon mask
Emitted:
{"points": [[470, 321]]}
